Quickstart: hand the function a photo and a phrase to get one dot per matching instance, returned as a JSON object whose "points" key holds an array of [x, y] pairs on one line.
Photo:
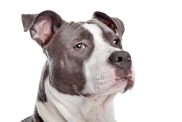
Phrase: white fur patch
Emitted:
{"points": [[99, 74], [60, 107]]}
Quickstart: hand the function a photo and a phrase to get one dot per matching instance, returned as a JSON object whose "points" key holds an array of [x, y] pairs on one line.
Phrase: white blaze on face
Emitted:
{"points": [[100, 75]]}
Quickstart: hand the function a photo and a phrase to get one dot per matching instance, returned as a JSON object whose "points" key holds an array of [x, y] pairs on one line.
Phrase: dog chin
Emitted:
{"points": [[126, 80], [124, 84]]}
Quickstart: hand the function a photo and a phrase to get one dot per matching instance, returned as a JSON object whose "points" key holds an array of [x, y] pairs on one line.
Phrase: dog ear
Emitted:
{"points": [[42, 26], [114, 23]]}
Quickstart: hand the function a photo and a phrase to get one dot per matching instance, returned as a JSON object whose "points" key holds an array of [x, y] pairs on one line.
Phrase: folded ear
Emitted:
{"points": [[42, 26], [114, 23]]}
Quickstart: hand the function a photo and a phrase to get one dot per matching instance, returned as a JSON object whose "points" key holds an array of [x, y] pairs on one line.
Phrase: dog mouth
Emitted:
{"points": [[130, 83], [128, 78]]}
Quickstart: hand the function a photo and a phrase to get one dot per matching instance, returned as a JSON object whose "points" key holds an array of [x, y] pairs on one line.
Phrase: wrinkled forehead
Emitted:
{"points": [[71, 32], [104, 28], [76, 31], [77, 28]]}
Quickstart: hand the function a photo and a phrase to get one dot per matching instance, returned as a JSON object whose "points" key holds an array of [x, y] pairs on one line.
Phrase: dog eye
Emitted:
{"points": [[116, 42], [79, 46]]}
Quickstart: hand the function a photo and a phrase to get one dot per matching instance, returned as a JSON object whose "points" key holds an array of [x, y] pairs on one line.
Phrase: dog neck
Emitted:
{"points": [[72, 108]]}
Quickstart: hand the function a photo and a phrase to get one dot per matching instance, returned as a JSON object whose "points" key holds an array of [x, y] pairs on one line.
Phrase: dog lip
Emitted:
{"points": [[130, 82], [129, 79]]}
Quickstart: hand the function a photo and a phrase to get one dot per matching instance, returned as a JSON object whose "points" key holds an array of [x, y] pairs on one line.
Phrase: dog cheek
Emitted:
{"points": [[62, 64]]}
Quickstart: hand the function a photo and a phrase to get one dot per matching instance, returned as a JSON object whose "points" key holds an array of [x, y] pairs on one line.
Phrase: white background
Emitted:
{"points": [[153, 36]]}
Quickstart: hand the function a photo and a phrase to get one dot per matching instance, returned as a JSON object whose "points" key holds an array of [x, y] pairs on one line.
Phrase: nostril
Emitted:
{"points": [[111, 58], [129, 59], [120, 59], [116, 59]]}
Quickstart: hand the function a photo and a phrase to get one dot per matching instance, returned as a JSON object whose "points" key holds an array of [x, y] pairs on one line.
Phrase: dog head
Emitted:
{"points": [[84, 58]]}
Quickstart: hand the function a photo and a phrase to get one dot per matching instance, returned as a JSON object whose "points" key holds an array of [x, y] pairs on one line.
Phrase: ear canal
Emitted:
{"points": [[42, 26], [104, 18], [114, 23], [119, 25]]}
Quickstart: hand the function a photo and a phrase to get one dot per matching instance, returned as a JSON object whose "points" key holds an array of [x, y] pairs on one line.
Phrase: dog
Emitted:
{"points": [[86, 67]]}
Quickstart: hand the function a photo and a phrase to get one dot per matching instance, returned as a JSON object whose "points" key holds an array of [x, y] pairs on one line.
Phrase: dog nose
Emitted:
{"points": [[121, 59]]}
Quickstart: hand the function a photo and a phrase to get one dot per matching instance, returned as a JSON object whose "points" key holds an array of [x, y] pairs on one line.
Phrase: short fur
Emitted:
{"points": [[85, 68]]}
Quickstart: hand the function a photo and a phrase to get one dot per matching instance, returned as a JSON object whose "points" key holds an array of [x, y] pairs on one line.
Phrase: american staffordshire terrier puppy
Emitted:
{"points": [[86, 67]]}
